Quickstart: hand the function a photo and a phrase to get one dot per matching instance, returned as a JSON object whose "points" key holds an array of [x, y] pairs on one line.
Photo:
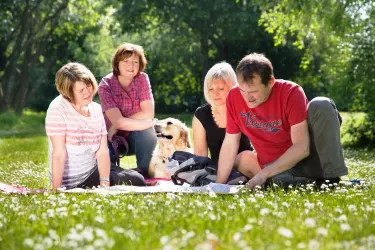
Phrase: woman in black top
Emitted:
{"points": [[209, 120]]}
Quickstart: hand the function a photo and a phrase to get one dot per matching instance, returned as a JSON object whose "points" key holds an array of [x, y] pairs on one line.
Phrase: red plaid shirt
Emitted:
{"points": [[113, 96]]}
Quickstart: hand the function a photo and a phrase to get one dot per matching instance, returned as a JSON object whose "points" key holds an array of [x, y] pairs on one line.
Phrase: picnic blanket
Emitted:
{"points": [[160, 187]]}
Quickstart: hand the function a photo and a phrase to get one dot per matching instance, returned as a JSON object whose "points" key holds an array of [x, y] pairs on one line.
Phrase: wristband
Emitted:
{"points": [[104, 179]]}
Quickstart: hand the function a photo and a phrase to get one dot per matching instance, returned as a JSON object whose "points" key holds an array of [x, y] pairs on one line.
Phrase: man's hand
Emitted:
{"points": [[111, 132], [258, 180]]}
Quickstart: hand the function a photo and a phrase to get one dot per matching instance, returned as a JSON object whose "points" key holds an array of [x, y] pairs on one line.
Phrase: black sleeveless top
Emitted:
{"points": [[214, 134]]}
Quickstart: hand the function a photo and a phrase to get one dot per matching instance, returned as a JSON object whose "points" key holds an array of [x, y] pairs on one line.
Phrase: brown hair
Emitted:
{"points": [[254, 63], [125, 51], [71, 73]]}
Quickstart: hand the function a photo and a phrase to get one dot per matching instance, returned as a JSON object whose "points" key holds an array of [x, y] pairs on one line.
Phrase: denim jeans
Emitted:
{"points": [[141, 144], [326, 159]]}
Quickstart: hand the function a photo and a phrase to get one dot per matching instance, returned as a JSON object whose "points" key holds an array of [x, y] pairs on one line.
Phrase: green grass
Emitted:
{"points": [[302, 218]]}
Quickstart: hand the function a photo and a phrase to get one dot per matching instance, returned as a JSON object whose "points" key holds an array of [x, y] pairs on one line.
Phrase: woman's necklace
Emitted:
{"points": [[220, 118]]}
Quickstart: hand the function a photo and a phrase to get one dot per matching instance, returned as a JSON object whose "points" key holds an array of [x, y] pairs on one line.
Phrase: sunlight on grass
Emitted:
{"points": [[300, 218]]}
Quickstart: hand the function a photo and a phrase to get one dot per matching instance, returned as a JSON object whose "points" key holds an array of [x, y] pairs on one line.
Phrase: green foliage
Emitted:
{"points": [[43, 35], [338, 39], [362, 134], [184, 39]]}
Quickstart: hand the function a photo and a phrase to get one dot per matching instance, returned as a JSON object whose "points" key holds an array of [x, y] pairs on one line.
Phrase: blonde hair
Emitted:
{"points": [[125, 51], [221, 71], [71, 73]]}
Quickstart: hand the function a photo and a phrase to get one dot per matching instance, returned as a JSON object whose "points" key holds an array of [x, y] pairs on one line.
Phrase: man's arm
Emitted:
{"points": [[227, 157], [298, 151], [147, 111], [104, 165], [199, 138], [58, 160]]}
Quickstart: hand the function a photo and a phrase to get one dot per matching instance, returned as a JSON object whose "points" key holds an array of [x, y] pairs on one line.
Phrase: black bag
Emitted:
{"points": [[190, 167], [197, 170]]}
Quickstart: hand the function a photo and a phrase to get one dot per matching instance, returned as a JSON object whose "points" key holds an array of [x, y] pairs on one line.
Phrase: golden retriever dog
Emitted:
{"points": [[172, 135]]}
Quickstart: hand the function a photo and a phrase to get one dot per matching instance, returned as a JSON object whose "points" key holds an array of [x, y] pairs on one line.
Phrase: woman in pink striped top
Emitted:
{"points": [[77, 135]]}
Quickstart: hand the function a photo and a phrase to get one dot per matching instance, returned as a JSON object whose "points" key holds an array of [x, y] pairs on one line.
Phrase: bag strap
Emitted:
{"points": [[116, 141], [190, 167], [182, 156]]}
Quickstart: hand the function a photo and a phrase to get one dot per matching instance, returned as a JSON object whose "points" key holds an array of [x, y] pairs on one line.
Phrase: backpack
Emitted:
{"points": [[197, 170]]}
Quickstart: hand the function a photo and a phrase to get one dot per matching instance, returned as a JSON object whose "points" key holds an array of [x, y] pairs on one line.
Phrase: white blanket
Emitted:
{"points": [[161, 188]]}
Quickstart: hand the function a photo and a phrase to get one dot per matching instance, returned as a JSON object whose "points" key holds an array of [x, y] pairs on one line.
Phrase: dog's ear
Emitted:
{"points": [[185, 137], [188, 142]]}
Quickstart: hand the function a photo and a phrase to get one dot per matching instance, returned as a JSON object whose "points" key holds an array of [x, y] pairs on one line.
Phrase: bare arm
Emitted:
{"points": [[130, 124], [104, 165], [228, 154], [58, 160], [147, 111], [199, 138], [298, 151]]}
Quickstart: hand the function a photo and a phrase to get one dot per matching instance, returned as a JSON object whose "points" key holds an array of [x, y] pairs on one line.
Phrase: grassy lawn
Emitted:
{"points": [[302, 218]]}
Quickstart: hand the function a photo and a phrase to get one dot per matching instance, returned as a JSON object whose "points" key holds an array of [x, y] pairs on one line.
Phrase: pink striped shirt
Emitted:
{"points": [[82, 134]]}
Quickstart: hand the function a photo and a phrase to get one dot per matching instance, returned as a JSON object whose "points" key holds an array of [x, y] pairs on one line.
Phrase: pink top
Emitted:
{"points": [[268, 126], [83, 136], [128, 102]]}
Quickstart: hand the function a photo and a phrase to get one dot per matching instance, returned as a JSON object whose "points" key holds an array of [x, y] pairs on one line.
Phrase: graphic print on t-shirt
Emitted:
{"points": [[253, 121]]}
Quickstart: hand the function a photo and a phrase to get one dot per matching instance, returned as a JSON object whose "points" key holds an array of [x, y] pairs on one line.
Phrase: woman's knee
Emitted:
{"points": [[127, 177], [147, 135], [136, 179]]}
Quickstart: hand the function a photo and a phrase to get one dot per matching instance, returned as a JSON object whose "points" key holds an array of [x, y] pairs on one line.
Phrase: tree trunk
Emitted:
{"points": [[11, 69], [22, 81]]}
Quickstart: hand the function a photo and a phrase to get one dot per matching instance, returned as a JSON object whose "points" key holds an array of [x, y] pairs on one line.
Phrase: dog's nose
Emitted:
{"points": [[157, 127]]}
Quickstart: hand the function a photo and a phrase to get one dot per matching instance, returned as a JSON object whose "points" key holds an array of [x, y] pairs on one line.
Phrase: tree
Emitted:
{"points": [[185, 38], [41, 36], [339, 38], [29, 25]]}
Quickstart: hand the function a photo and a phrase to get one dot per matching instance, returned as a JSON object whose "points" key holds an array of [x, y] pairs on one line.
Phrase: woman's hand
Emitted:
{"points": [[104, 183]]}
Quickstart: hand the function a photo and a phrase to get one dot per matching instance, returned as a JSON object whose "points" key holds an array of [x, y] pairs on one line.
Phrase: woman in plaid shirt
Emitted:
{"points": [[128, 104]]}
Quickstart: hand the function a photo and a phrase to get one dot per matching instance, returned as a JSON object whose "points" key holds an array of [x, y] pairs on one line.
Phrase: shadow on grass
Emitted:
{"points": [[23, 133], [28, 124], [31, 124]]}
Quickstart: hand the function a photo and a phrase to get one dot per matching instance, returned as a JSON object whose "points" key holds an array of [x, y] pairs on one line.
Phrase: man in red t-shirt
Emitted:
{"points": [[295, 141]]}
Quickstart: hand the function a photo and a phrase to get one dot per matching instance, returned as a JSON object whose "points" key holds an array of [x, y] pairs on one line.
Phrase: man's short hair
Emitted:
{"points": [[223, 71], [125, 51], [71, 73], [252, 64]]}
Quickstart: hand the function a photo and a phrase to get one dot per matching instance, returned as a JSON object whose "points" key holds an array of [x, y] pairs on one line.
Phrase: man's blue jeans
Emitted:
{"points": [[141, 144]]}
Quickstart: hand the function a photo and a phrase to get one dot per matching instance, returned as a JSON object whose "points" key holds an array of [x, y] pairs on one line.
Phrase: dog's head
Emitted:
{"points": [[174, 131]]}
